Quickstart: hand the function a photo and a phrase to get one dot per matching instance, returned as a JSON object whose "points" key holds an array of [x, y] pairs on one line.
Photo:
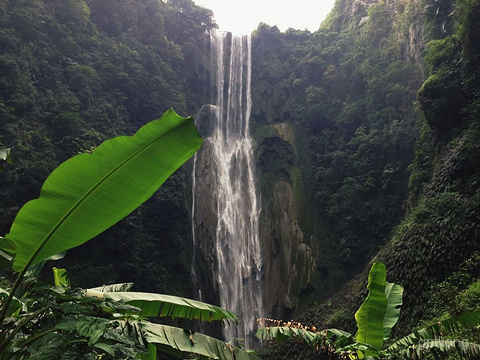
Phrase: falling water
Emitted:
{"points": [[237, 249]]}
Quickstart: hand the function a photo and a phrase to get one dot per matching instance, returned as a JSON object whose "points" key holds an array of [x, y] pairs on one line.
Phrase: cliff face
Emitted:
{"points": [[438, 241], [289, 260], [205, 222], [348, 91], [434, 251], [408, 21]]}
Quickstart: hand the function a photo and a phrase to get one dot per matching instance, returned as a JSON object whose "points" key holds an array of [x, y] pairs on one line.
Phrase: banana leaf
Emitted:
{"points": [[179, 342], [60, 277], [440, 349], [167, 305], [371, 313], [19, 305], [335, 337], [394, 294], [329, 340], [89, 193], [339, 337]]}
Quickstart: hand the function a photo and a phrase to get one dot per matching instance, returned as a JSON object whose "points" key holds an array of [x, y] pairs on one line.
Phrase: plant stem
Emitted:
{"points": [[11, 335], [29, 341], [6, 304]]}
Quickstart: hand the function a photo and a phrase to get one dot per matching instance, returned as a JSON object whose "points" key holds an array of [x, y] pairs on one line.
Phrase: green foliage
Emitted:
{"points": [[374, 312], [71, 324], [74, 73], [394, 294], [414, 344], [371, 313], [468, 299], [182, 342], [442, 94], [109, 183], [441, 232], [164, 305], [60, 277], [329, 337], [128, 167], [83, 197], [457, 293]]}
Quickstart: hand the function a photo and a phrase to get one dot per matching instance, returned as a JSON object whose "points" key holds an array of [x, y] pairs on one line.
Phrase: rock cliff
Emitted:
{"points": [[289, 260]]}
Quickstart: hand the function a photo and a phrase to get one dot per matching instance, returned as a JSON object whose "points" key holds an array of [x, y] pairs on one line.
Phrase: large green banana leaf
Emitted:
{"points": [[177, 342], [167, 305], [370, 315], [91, 192], [394, 294]]}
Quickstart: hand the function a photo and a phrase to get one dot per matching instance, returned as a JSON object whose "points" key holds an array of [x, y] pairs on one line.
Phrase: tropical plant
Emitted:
{"points": [[113, 322], [80, 199], [375, 319], [167, 339]]}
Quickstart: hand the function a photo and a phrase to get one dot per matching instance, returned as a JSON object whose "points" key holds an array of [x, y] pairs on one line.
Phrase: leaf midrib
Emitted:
{"points": [[84, 197]]}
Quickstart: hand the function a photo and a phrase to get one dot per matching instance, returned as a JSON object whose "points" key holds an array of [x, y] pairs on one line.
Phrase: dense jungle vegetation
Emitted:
{"points": [[74, 73], [384, 100]]}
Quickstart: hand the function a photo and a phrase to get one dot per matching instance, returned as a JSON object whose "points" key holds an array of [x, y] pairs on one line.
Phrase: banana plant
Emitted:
{"points": [[166, 305], [93, 322], [167, 339], [371, 313], [89, 193], [86, 195], [375, 319]]}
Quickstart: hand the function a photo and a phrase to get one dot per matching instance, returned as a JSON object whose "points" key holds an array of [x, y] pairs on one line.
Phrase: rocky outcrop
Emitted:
{"points": [[205, 223], [288, 261], [409, 27]]}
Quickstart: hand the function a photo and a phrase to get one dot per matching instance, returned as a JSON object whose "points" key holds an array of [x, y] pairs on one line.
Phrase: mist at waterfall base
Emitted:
{"points": [[242, 17], [231, 186]]}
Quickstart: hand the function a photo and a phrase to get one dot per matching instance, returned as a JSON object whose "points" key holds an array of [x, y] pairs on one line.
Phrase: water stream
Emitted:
{"points": [[238, 259]]}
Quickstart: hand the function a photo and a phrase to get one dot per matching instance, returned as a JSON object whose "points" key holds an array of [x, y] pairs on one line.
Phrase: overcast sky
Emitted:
{"points": [[243, 16]]}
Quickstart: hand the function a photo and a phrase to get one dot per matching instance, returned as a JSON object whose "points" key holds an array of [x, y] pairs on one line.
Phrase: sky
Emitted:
{"points": [[243, 16]]}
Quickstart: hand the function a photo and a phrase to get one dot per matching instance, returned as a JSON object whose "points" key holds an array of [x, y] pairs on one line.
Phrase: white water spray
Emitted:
{"points": [[237, 248]]}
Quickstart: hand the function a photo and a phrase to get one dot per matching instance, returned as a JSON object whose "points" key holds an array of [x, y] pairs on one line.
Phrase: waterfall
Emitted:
{"points": [[230, 182]]}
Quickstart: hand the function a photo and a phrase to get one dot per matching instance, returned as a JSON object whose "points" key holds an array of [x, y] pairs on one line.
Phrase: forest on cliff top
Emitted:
{"points": [[383, 100]]}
